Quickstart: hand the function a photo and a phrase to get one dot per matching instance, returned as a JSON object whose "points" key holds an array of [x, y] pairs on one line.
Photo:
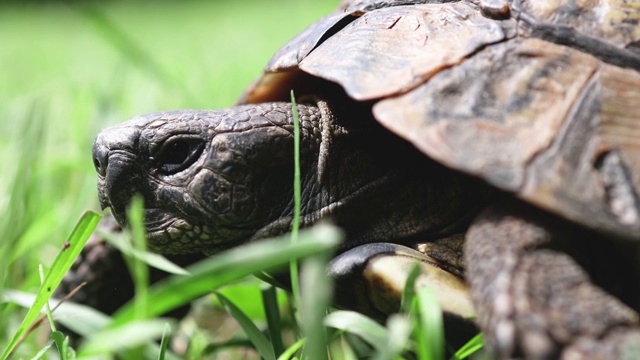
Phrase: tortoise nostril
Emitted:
{"points": [[96, 164], [122, 139], [100, 158]]}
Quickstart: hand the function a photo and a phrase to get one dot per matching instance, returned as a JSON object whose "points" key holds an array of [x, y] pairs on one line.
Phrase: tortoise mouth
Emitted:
{"points": [[171, 234], [156, 219]]}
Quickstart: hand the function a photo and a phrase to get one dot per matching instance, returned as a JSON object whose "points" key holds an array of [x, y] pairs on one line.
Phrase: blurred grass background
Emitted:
{"points": [[71, 69]]}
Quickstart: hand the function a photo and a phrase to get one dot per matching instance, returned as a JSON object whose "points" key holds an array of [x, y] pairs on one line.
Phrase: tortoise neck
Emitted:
{"points": [[378, 188], [375, 186]]}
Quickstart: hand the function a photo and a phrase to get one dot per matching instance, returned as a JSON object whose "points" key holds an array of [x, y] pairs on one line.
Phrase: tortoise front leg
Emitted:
{"points": [[534, 299]]}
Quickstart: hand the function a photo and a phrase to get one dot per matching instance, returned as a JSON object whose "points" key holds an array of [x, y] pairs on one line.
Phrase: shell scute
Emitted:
{"points": [[392, 50], [533, 118]]}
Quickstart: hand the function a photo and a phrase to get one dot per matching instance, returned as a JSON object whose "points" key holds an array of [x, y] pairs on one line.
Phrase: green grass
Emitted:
{"points": [[67, 72]]}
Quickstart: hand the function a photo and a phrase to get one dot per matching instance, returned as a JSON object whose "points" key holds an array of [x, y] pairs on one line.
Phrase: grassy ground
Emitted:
{"points": [[68, 71]]}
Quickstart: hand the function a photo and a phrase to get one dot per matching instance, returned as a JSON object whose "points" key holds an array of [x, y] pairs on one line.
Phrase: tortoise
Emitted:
{"points": [[496, 141]]}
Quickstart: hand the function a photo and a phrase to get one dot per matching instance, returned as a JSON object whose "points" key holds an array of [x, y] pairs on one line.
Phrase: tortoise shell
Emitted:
{"points": [[538, 98]]}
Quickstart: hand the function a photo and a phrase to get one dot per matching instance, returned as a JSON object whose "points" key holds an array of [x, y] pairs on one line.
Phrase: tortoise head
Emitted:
{"points": [[209, 179]]}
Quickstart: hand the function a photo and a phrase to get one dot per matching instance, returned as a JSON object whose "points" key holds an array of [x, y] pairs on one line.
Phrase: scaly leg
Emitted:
{"points": [[534, 299]]}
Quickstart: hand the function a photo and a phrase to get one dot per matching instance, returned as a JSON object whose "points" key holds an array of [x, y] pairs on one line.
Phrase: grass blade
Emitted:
{"points": [[293, 266], [59, 268], [119, 241], [232, 265], [257, 338], [290, 352], [316, 294], [430, 332], [358, 324], [409, 292], [470, 347], [137, 268], [399, 328], [272, 312], [66, 313], [164, 343], [43, 351], [132, 334], [65, 350]]}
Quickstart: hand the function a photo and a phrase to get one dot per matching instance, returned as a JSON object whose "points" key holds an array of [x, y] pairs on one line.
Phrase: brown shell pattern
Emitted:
{"points": [[543, 103]]}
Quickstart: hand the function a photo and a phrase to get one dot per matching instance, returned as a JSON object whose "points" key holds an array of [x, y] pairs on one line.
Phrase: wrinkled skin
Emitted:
{"points": [[537, 297]]}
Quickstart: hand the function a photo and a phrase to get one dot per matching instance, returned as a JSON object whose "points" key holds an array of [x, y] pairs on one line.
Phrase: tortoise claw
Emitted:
{"points": [[371, 278]]}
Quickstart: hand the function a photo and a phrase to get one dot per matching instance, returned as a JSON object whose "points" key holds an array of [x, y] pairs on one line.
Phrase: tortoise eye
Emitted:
{"points": [[178, 154]]}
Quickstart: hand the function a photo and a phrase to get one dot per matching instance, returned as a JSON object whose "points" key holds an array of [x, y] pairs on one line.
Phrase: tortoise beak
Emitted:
{"points": [[104, 200], [115, 162]]}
